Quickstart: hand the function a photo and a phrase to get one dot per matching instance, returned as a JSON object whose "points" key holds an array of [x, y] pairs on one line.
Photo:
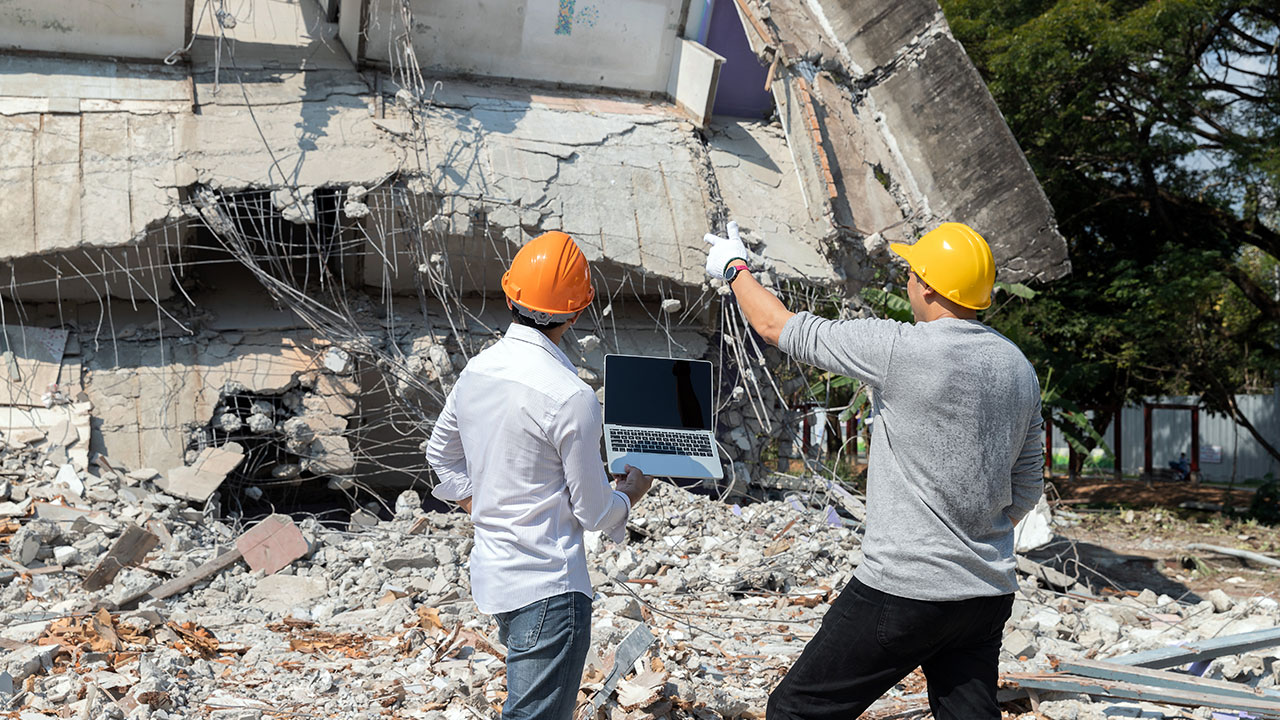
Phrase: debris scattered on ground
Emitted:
{"points": [[124, 601]]}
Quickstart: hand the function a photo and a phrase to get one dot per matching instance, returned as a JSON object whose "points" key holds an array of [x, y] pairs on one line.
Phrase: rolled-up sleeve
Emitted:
{"points": [[859, 349], [575, 431], [446, 457]]}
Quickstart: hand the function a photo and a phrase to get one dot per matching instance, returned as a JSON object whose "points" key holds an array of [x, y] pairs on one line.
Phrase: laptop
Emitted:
{"points": [[658, 416]]}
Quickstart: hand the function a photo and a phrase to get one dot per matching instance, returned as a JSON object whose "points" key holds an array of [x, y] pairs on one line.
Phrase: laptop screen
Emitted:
{"points": [[657, 392]]}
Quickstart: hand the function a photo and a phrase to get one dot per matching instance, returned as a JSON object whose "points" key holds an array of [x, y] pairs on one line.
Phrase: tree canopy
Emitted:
{"points": [[1154, 127]]}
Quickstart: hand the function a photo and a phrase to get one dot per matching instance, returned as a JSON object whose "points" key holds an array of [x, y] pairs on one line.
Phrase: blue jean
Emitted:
{"points": [[547, 644]]}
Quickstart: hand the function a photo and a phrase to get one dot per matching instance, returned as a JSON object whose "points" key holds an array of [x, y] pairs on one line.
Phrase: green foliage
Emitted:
{"points": [[894, 306], [1154, 127]]}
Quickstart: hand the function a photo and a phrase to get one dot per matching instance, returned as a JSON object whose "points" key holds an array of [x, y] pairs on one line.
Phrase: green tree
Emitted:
{"points": [[1154, 127]]}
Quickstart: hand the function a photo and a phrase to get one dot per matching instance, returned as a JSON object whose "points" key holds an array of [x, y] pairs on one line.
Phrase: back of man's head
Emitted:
{"points": [[549, 282]]}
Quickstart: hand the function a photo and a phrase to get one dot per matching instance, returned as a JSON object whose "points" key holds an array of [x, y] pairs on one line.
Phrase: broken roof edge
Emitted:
{"points": [[866, 114]]}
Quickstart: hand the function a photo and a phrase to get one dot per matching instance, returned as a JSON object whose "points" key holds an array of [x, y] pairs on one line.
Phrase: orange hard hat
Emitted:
{"points": [[549, 279]]}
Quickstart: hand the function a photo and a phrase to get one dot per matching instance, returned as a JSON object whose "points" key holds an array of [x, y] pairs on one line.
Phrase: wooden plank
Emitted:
{"points": [[1045, 574], [128, 550], [182, 582], [1184, 653], [1252, 557]]}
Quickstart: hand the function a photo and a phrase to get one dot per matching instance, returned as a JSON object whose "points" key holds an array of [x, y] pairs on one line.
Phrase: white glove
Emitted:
{"points": [[724, 251]]}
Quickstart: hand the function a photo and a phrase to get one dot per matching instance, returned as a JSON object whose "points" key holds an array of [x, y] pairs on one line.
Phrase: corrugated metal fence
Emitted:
{"points": [[1224, 446]]}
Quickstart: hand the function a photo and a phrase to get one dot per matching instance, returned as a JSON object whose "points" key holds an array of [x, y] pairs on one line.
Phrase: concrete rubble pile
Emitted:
{"points": [[121, 600]]}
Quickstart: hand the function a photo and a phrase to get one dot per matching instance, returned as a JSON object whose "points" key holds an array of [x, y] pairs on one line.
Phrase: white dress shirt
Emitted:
{"points": [[520, 435]]}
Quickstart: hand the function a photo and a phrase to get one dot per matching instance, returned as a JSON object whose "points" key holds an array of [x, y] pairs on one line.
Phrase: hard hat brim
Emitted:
{"points": [[902, 250]]}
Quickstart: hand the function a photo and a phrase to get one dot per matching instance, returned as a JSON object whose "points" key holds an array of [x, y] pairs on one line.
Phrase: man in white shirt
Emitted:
{"points": [[518, 446]]}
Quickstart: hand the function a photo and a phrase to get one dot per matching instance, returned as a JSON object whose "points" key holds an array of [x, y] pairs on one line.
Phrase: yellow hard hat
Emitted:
{"points": [[955, 261]]}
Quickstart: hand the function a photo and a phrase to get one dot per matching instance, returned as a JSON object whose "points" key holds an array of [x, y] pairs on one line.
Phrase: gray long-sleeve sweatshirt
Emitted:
{"points": [[956, 448]]}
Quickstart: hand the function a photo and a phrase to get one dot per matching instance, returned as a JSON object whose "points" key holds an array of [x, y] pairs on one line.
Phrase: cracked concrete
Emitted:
{"points": [[127, 189], [900, 106]]}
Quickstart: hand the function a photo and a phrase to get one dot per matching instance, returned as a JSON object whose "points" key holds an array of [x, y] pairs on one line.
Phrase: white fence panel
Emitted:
{"points": [[1171, 435]]}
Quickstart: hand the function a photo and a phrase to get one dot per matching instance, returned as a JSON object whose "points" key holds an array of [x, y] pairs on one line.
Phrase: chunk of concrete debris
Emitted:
{"points": [[330, 454], [68, 478], [25, 544], [25, 436], [1222, 602], [283, 593], [142, 475], [199, 480], [1020, 644], [1036, 529], [336, 360], [272, 545], [23, 662], [407, 504]]}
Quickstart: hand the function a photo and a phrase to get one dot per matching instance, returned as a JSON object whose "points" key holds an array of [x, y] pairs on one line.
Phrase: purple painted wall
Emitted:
{"points": [[741, 91]]}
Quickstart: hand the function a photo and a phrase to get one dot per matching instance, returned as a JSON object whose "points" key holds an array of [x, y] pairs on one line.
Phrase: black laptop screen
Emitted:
{"points": [[657, 392]]}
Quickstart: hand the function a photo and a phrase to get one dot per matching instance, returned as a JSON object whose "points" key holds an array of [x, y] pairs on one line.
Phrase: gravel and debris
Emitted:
{"points": [[375, 620]]}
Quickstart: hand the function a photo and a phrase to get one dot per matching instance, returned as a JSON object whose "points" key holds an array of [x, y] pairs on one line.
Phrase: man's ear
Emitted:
{"points": [[577, 315]]}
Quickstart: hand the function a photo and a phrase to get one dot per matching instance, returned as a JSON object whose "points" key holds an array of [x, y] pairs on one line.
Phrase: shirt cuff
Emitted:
{"points": [[452, 489], [618, 533]]}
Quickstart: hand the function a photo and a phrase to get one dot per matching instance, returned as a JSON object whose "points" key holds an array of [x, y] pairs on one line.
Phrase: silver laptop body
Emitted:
{"points": [[658, 416]]}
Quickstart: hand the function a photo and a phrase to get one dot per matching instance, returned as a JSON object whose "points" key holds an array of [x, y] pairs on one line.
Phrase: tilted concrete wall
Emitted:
{"points": [[907, 136], [624, 44], [148, 29]]}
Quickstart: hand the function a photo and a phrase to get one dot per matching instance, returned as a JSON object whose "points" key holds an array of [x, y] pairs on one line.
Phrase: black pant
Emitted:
{"points": [[869, 640]]}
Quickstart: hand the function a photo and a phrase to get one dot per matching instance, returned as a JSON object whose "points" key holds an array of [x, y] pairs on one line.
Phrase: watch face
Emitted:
{"points": [[730, 273]]}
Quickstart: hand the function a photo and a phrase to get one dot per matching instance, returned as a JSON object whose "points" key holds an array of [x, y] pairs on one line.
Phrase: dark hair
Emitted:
{"points": [[527, 321]]}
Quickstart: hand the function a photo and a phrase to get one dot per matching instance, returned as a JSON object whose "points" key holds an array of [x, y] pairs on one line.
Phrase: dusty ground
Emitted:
{"points": [[1129, 536], [1132, 493]]}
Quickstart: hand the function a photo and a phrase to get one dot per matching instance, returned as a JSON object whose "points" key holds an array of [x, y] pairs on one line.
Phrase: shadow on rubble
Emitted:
{"points": [[1103, 570]]}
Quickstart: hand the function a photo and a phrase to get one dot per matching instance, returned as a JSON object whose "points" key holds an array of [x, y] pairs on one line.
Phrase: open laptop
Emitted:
{"points": [[658, 416]]}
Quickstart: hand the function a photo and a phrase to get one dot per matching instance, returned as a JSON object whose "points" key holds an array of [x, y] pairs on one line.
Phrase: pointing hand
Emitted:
{"points": [[724, 251]]}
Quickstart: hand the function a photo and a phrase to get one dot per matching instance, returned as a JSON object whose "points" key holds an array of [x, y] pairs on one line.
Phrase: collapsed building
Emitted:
{"points": [[253, 241]]}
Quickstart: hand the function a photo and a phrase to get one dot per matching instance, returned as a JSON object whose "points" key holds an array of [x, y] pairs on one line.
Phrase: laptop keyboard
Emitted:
{"points": [[660, 442]]}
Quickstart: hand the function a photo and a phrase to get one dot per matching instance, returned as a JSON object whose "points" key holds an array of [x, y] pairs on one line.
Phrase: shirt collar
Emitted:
{"points": [[526, 334]]}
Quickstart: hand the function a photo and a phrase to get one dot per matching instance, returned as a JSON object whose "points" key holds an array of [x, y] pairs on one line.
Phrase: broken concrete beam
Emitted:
{"points": [[198, 481], [1187, 652], [128, 550], [272, 544]]}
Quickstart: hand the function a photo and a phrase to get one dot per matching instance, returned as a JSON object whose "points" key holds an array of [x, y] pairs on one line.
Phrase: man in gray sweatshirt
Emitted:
{"points": [[955, 462]]}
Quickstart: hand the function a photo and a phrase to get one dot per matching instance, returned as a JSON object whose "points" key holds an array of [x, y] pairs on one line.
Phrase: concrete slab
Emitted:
{"points": [[93, 78], [57, 187], [282, 593], [198, 481]]}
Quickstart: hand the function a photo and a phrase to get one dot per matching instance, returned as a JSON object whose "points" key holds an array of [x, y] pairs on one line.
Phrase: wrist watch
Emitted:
{"points": [[736, 266]]}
